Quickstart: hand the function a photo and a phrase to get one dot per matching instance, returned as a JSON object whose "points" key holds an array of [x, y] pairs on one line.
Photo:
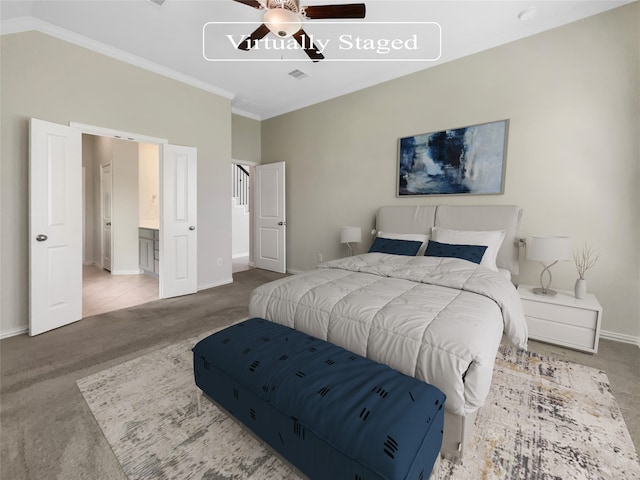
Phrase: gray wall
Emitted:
{"points": [[56, 81], [571, 95], [246, 139]]}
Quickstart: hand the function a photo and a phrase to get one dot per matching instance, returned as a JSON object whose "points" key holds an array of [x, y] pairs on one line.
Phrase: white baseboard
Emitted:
{"points": [[127, 272], [13, 332], [240, 255], [294, 271], [620, 337], [216, 284]]}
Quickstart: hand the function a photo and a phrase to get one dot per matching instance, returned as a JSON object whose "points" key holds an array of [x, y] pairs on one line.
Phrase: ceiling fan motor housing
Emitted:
{"points": [[282, 17], [291, 5]]}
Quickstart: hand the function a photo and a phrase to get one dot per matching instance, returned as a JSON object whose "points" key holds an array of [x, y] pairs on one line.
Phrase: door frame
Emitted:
{"points": [[121, 135], [138, 138]]}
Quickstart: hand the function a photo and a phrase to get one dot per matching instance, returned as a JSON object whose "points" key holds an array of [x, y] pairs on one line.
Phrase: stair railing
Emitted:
{"points": [[240, 185]]}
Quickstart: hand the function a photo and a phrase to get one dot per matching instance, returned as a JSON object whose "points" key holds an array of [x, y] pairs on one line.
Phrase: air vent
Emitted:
{"points": [[298, 74]]}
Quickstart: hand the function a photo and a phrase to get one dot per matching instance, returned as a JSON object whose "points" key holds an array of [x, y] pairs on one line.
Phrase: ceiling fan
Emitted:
{"points": [[284, 19]]}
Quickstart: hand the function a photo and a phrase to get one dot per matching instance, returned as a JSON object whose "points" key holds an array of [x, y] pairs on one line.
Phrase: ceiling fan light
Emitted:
{"points": [[281, 22]]}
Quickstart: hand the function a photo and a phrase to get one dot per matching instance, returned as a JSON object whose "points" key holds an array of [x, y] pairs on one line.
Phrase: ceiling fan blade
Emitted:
{"points": [[257, 34], [352, 10], [251, 3], [305, 42]]}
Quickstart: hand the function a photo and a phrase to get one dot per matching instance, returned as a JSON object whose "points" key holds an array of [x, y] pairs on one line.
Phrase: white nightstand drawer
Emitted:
{"points": [[561, 314], [562, 319], [563, 334]]}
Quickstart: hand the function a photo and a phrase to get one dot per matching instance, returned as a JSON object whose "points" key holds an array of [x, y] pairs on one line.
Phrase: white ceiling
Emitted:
{"points": [[171, 40]]}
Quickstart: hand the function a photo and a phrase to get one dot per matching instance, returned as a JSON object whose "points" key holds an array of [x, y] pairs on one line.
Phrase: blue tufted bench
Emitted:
{"points": [[331, 413]]}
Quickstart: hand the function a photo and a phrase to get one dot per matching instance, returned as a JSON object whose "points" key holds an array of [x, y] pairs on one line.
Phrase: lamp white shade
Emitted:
{"points": [[282, 22], [548, 248], [351, 235]]}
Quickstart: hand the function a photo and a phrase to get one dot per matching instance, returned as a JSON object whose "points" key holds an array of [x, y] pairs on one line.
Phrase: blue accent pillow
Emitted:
{"points": [[395, 246], [472, 253]]}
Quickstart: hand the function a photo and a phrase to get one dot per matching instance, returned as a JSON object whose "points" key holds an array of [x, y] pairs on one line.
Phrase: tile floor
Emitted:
{"points": [[103, 292]]}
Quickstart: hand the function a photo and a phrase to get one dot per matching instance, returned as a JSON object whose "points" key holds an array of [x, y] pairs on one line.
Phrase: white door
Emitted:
{"points": [[106, 188], [178, 215], [270, 218], [55, 226]]}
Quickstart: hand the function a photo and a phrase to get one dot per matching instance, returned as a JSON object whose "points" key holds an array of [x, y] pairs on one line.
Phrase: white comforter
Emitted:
{"points": [[437, 319]]}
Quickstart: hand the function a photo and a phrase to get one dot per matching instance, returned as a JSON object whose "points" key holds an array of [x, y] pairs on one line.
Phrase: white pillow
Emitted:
{"points": [[492, 239], [408, 236]]}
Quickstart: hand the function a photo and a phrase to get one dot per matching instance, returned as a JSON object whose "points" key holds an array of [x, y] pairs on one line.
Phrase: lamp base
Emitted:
{"points": [[547, 292], [544, 286]]}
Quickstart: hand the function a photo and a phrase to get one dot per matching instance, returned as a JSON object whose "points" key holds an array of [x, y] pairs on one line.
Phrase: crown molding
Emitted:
{"points": [[244, 113], [25, 24]]}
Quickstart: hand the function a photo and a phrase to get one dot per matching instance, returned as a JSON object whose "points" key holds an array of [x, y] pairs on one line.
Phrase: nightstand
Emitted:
{"points": [[562, 319]]}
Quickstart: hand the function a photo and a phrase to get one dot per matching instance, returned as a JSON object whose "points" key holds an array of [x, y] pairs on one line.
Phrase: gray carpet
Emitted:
{"points": [[47, 430]]}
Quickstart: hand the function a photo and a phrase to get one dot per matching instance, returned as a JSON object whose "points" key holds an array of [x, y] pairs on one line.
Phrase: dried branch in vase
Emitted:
{"points": [[584, 258]]}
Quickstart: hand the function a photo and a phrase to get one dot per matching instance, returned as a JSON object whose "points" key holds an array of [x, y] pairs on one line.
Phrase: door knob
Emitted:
{"points": [[41, 238], [282, 223], [192, 227], [108, 224]]}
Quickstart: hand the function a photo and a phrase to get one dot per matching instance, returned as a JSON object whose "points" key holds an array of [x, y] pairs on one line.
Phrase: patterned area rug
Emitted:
{"points": [[544, 419]]}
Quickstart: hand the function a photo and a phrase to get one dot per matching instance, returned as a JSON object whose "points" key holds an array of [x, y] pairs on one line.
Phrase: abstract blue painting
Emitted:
{"points": [[468, 160]]}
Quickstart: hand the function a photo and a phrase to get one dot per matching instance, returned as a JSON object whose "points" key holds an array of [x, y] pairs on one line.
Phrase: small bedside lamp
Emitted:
{"points": [[548, 250], [351, 235]]}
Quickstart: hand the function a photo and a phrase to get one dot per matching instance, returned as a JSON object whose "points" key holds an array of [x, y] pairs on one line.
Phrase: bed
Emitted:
{"points": [[438, 317]]}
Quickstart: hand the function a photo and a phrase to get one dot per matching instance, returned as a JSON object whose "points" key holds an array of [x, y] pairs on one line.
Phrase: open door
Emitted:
{"points": [[55, 226], [178, 216], [270, 218]]}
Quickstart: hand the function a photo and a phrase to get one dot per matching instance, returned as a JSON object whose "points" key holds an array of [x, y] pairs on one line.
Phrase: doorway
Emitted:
{"points": [[56, 222], [131, 280], [241, 219]]}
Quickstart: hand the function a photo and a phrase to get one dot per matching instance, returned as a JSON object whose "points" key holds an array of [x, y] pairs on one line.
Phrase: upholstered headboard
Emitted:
{"points": [[420, 219]]}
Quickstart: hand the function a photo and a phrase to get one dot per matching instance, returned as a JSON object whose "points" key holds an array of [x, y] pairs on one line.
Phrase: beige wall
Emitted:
{"points": [[124, 199], [246, 141], [149, 182], [572, 97], [56, 81]]}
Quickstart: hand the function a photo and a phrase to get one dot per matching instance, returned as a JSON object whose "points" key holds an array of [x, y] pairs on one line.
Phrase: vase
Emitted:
{"points": [[580, 288]]}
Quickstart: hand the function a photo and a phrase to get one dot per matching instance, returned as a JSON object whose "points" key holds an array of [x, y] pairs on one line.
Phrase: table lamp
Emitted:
{"points": [[351, 235], [548, 250]]}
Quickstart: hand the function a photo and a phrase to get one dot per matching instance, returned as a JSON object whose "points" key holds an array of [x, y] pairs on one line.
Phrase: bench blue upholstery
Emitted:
{"points": [[331, 413]]}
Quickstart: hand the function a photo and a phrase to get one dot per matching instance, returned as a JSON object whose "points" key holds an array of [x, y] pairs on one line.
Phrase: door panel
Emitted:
{"points": [[55, 226], [270, 217], [269, 244], [178, 215]]}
